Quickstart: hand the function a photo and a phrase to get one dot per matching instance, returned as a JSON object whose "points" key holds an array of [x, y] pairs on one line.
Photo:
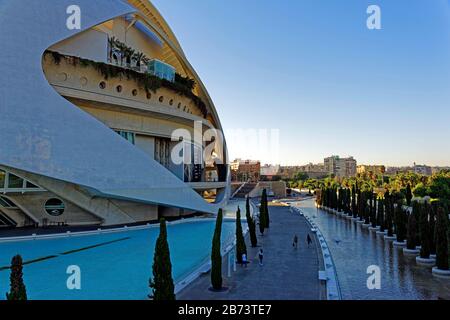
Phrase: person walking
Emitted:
{"points": [[260, 257], [295, 242], [244, 260], [308, 240]]}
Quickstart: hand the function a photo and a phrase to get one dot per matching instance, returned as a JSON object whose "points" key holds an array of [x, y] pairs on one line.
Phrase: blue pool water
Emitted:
{"points": [[120, 268]]}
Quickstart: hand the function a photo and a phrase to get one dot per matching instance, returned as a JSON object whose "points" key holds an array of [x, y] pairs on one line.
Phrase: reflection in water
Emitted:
{"points": [[354, 249]]}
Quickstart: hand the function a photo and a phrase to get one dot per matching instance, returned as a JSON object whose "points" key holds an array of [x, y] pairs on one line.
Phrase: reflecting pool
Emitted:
{"points": [[113, 266], [354, 249]]}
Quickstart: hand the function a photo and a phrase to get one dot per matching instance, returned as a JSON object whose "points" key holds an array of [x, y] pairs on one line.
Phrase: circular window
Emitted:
{"points": [[134, 92], [62, 76], [102, 85], [119, 89], [83, 81], [149, 96], [54, 207], [161, 99]]}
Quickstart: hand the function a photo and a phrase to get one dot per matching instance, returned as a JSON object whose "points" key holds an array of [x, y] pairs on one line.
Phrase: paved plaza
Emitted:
{"points": [[287, 273]]}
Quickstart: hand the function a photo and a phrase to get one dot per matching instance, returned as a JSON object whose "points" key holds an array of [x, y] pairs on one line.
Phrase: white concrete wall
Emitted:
{"points": [[91, 44]]}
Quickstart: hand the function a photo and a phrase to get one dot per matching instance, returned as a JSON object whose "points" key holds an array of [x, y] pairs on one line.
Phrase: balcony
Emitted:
{"points": [[75, 77]]}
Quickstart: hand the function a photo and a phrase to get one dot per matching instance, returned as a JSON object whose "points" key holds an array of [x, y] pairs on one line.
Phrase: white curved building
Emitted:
{"points": [[91, 118]]}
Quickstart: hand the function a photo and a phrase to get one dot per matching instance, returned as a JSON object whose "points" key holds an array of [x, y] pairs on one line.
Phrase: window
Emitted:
{"points": [[15, 182], [54, 207], [129, 136], [29, 185], [162, 151], [2, 179]]}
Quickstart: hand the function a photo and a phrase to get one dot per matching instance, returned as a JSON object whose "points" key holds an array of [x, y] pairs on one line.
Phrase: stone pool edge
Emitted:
{"points": [[330, 273]]}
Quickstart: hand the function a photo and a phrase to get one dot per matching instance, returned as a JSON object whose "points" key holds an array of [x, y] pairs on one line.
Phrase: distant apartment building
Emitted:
{"points": [[373, 169], [270, 172], [245, 170], [289, 172], [422, 169], [340, 167]]}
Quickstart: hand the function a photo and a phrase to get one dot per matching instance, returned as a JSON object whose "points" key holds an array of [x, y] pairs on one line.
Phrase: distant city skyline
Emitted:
{"points": [[313, 71]]}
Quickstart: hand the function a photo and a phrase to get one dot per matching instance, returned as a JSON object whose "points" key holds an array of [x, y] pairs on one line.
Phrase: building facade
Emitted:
{"points": [[270, 172], [371, 169], [245, 170], [107, 131], [422, 169], [340, 167]]}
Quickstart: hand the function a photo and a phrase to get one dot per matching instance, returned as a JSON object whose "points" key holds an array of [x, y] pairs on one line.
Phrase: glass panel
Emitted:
{"points": [[2, 179], [15, 182], [29, 185]]}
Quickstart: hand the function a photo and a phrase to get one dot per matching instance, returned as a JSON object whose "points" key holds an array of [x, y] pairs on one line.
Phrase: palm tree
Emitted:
{"points": [[139, 58]]}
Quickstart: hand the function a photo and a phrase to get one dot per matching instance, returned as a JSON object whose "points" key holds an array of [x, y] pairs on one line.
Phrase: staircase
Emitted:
{"points": [[245, 190]]}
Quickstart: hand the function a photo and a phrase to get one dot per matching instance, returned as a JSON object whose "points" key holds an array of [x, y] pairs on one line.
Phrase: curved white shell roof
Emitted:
{"points": [[43, 133]]}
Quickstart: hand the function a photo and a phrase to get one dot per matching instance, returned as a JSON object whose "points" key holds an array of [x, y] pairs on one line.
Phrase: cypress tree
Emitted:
{"points": [[18, 291], [367, 215], [361, 206], [216, 254], [433, 214], [412, 230], [424, 229], [373, 212], [241, 248], [262, 219], [389, 216], [380, 215], [266, 209], [416, 213], [441, 240], [400, 223], [162, 282], [354, 209], [251, 224], [408, 195]]}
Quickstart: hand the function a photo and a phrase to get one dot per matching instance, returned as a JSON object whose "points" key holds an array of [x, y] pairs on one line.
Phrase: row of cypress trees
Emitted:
{"points": [[241, 248], [426, 225]]}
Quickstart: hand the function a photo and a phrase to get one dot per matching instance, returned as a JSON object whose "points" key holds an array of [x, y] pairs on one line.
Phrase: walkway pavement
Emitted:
{"points": [[287, 273]]}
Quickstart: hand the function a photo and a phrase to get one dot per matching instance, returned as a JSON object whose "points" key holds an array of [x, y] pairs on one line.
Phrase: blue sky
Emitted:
{"points": [[313, 70]]}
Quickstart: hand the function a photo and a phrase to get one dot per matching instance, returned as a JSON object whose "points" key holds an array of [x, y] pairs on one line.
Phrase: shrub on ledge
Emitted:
{"points": [[182, 85]]}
